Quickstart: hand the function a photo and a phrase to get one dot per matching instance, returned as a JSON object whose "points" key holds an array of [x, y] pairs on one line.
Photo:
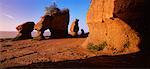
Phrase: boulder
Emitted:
{"points": [[74, 28], [57, 23], [114, 26], [24, 31]]}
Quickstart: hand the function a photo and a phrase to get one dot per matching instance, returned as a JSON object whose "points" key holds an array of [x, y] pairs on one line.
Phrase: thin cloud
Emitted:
{"points": [[9, 16]]}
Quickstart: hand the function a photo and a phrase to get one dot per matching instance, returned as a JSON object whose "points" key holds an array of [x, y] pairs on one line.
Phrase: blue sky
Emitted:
{"points": [[15, 12]]}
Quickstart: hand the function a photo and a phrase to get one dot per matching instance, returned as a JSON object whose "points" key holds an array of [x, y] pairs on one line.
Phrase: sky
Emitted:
{"points": [[16, 12]]}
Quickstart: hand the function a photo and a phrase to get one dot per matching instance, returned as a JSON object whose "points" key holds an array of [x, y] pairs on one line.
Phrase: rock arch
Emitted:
{"points": [[57, 23]]}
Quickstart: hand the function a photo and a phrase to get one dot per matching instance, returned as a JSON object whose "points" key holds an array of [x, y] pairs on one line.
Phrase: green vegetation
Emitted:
{"points": [[115, 52], [127, 45], [99, 47], [51, 9]]}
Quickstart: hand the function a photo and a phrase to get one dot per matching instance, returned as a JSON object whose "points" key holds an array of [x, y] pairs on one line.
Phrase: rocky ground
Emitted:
{"points": [[65, 52]]}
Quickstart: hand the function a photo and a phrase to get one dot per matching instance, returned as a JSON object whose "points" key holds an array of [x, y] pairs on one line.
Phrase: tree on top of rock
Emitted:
{"points": [[52, 9]]}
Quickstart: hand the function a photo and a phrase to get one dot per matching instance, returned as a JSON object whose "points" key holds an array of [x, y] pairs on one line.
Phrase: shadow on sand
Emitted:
{"points": [[136, 60]]}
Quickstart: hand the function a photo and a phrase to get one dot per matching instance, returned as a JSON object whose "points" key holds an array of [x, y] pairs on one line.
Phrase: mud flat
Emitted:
{"points": [[65, 52]]}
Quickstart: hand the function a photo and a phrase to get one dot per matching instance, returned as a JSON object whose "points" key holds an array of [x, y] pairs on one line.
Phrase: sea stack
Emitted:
{"points": [[56, 22], [114, 26], [74, 28], [24, 31]]}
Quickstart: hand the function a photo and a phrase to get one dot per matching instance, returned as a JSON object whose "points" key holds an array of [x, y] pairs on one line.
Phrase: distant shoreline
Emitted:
{"points": [[13, 34], [7, 34]]}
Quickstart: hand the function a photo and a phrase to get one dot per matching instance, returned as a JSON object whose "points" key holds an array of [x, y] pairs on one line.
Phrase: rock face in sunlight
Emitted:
{"points": [[24, 31], [57, 23], [74, 28], [113, 26]]}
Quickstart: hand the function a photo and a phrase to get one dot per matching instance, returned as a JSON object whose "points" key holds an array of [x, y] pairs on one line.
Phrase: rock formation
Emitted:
{"points": [[74, 28], [24, 31], [41, 26], [82, 32], [57, 23], [60, 22], [114, 26]]}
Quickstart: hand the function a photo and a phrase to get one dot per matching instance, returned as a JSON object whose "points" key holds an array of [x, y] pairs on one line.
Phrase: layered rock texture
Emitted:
{"points": [[56, 22], [24, 31], [115, 26], [74, 28]]}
